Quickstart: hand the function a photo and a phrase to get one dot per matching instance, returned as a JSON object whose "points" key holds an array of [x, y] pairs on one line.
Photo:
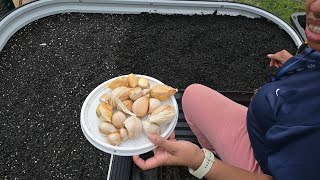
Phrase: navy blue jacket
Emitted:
{"points": [[284, 120]]}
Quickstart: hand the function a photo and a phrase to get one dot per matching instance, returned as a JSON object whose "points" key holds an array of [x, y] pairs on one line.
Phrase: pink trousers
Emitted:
{"points": [[220, 125]]}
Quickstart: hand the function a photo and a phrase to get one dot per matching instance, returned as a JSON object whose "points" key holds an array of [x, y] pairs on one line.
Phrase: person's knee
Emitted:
{"points": [[191, 90], [190, 95]]}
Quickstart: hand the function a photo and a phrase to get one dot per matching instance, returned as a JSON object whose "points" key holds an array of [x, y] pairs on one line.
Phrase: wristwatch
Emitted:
{"points": [[205, 166]]}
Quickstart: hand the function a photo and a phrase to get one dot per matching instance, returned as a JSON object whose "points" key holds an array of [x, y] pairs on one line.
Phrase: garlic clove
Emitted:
{"points": [[150, 128], [106, 128], [104, 112], [105, 98], [135, 93], [140, 106], [128, 104], [162, 108], [146, 91], [123, 133], [121, 93], [143, 83], [114, 138], [124, 109], [134, 126], [121, 81], [154, 103], [162, 92], [133, 80], [163, 115], [118, 118]]}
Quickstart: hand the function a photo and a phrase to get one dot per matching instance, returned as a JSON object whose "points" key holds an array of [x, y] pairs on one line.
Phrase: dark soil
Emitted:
{"points": [[49, 67]]}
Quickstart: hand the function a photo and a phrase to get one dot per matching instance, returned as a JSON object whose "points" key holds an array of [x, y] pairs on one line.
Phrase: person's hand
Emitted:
{"points": [[279, 58], [171, 153]]}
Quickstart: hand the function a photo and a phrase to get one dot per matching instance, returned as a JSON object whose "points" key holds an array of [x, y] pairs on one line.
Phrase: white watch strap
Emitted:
{"points": [[205, 166]]}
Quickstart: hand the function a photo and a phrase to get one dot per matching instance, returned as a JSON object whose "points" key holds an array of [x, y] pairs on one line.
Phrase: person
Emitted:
{"points": [[276, 137]]}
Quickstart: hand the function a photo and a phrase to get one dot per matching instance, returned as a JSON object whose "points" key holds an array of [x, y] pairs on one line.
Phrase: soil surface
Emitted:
{"points": [[49, 67]]}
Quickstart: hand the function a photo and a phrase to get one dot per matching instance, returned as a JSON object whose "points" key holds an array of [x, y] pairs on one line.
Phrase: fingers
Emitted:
{"points": [[279, 58], [169, 146], [271, 62], [147, 164], [274, 63]]}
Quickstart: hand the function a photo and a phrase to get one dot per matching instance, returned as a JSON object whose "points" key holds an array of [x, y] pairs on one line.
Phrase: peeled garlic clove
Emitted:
{"points": [[143, 83], [135, 93], [123, 133], [146, 91], [107, 128], [150, 128], [140, 106], [163, 115], [104, 112], [127, 103], [114, 138], [121, 81], [134, 126], [132, 80], [118, 118], [154, 103], [162, 92], [105, 98]]}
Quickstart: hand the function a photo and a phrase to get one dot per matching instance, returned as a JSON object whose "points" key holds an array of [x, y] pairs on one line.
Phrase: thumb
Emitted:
{"points": [[163, 143]]}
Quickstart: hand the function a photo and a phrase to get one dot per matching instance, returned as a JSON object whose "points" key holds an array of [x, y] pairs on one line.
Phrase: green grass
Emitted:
{"points": [[282, 8]]}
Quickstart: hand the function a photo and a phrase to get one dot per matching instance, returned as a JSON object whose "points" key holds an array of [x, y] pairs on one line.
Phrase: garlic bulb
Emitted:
{"points": [[162, 92], [124, 134], [153, 104], [135, 93], [104, 112], [163, 115], [150, 128], [133, 80], [121, 81], [118, 118], [134, 126], [140, 106], [143, 83], [114, 138], [107, 128]]}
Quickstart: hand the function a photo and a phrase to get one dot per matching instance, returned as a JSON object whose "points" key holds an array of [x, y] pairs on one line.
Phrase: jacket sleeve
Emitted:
{"points": [[295, 152]]}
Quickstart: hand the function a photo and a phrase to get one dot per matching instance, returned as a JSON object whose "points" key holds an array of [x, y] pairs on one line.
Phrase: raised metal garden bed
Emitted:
{"points": [[298, 21], [38, 9]]}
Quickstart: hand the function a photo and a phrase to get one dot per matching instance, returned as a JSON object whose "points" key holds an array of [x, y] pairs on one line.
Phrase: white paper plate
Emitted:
{"points": [[89, 124]]}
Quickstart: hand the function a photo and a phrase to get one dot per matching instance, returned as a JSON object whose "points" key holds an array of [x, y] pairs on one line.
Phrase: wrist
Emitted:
{"points": [[199, 157]]}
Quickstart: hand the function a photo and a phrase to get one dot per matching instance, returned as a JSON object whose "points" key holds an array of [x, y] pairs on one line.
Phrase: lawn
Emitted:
{"points": [[282, 8]]}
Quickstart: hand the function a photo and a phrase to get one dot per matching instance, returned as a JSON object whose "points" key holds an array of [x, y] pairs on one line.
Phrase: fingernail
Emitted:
{"points": [[269, 55]]}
